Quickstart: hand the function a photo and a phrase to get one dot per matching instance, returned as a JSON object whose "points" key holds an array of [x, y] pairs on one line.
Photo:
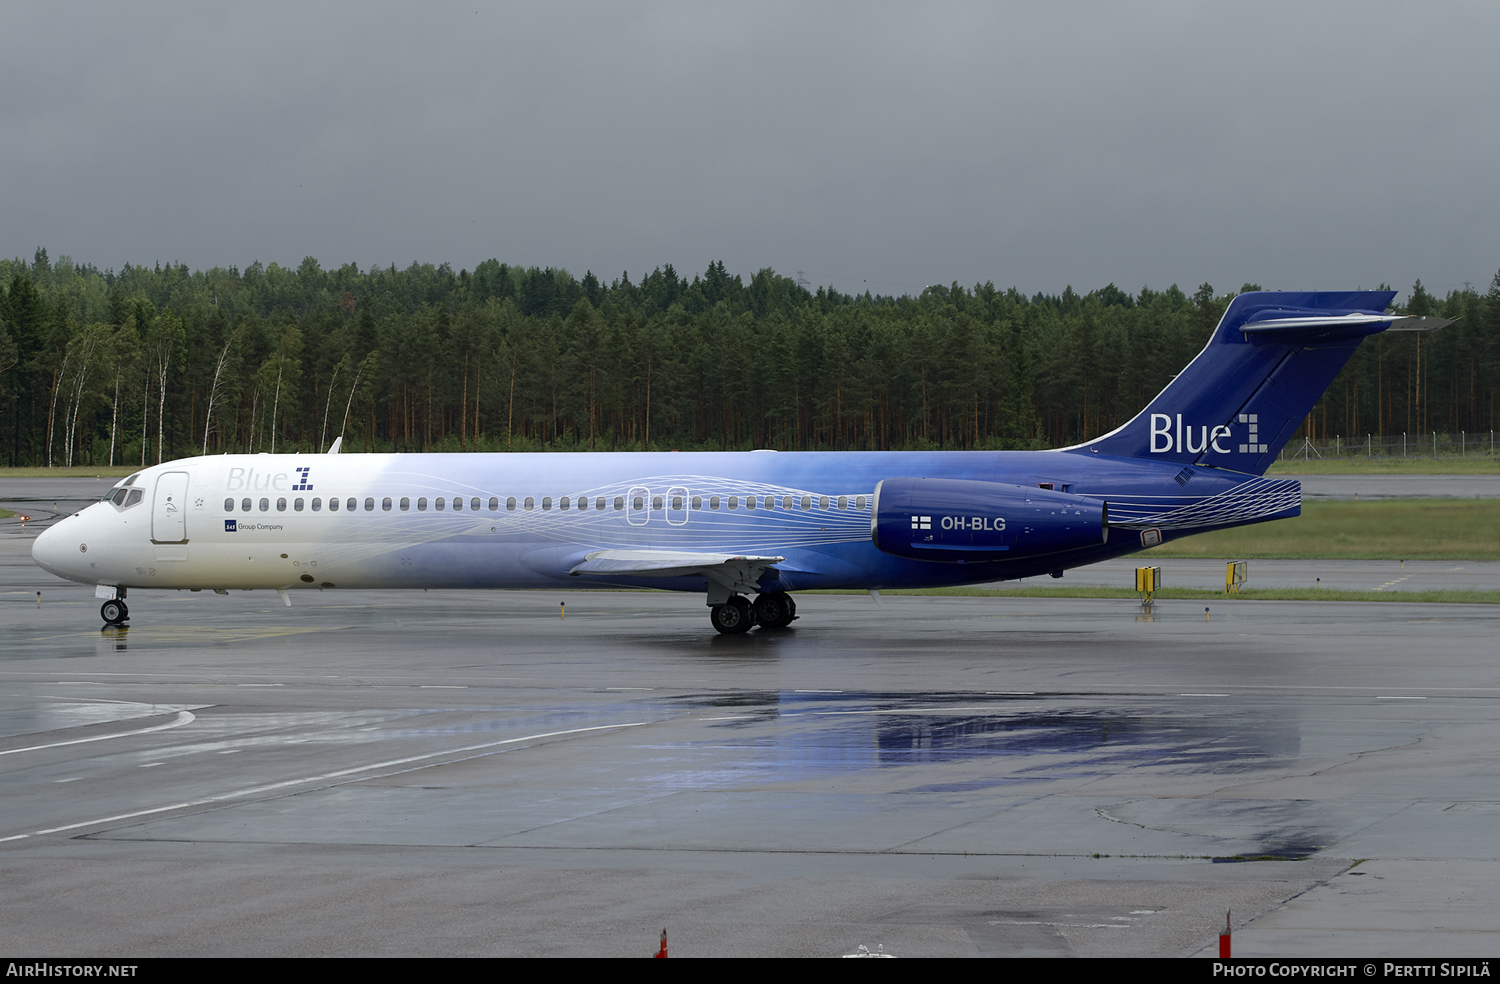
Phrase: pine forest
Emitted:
{"points": [[147, 364]]}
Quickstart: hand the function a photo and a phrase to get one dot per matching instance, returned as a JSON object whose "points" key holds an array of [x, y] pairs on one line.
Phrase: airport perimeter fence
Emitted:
{"points": [[1464, 444]]}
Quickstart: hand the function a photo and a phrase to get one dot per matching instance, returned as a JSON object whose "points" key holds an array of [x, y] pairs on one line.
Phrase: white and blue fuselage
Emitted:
{"points": [[735, 524]]}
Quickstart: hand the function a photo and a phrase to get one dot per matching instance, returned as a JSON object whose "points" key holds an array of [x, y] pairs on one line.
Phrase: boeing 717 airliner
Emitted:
{"points": [[737, 526]]}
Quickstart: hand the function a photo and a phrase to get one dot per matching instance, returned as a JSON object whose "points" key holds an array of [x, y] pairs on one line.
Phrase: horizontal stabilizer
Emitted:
{"points": [[1327, 328]]}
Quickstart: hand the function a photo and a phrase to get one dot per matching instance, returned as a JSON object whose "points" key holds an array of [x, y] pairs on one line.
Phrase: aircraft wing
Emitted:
{"points": [[733, 573]]}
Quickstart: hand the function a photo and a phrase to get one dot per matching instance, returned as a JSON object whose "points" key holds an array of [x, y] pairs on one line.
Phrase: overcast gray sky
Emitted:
{"points": [[880, 146]]}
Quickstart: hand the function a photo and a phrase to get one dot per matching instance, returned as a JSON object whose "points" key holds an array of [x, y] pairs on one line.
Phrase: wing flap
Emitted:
{"points": [[664, 563], [727, 574]]}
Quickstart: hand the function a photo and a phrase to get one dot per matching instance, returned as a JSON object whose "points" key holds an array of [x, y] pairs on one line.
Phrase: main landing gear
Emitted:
{"points": [[772, 610], [114, 612]]}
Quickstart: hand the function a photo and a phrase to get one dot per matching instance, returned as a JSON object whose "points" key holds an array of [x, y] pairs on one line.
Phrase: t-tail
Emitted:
{"points": [[1237, 404]]}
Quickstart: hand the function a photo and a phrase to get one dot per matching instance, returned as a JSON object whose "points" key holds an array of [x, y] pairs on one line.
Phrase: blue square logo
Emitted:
{"points": [[231, 526]]}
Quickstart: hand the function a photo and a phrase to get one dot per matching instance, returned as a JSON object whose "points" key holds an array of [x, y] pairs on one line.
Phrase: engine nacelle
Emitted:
{"points": [[954, 520]]}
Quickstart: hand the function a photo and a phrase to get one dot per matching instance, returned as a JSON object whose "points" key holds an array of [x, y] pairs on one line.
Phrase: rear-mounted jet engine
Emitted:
{"points": [[956, 520]]}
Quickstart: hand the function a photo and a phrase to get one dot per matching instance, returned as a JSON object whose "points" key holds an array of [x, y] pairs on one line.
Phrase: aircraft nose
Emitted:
{"points": [[50, 551]]}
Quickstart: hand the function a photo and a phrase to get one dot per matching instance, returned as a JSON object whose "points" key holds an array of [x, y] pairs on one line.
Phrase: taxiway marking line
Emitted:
{"points": [[183, 717], [339, 774]]}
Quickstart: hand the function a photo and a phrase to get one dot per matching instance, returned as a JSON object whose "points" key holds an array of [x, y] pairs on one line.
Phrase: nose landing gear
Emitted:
{"points": [[114, 612]]}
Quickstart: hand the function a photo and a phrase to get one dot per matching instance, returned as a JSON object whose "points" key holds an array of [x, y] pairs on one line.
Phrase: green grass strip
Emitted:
{"points": [[1197, 594], [82, 471], [1379, 529], [1470, 465]]}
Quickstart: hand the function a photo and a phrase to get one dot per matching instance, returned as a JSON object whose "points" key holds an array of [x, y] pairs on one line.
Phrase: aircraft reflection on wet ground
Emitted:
{"points": [[851, 731]]}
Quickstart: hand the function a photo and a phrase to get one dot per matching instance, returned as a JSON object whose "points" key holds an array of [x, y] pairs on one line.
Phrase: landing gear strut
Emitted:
{"points": [[114, 612]]}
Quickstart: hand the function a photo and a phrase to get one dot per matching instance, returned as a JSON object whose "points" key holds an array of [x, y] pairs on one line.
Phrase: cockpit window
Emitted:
{"points": [[124, 498], [130, 481]]}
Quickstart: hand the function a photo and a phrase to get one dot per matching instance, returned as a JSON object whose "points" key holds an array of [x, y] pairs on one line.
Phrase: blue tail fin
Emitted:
{"points": [[1240, 400]]}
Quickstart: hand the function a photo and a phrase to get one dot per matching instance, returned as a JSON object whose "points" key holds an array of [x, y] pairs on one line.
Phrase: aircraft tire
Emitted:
{"points": [[731, 618], [114, 612], [775, 610]]}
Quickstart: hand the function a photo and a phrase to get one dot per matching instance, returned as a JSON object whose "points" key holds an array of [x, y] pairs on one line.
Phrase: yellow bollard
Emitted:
{"points": [[562, 609], [1147, 582]]}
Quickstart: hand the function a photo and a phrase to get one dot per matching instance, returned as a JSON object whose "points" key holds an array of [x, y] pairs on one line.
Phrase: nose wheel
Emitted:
{"points": [[114, 612]]}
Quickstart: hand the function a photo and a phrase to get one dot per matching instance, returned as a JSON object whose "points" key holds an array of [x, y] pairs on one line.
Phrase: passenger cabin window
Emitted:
{"points": [[333, 505], [807, 502], [385, 504], [351, 504], [281, 505], [265, 505], [458, 504], [530, 503], [494, 503], [510, 504], [619, 503], [229, 505], [422, 504], [297, 504], [369, 504], [405, 504], [317, 505], [440, 503]]}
